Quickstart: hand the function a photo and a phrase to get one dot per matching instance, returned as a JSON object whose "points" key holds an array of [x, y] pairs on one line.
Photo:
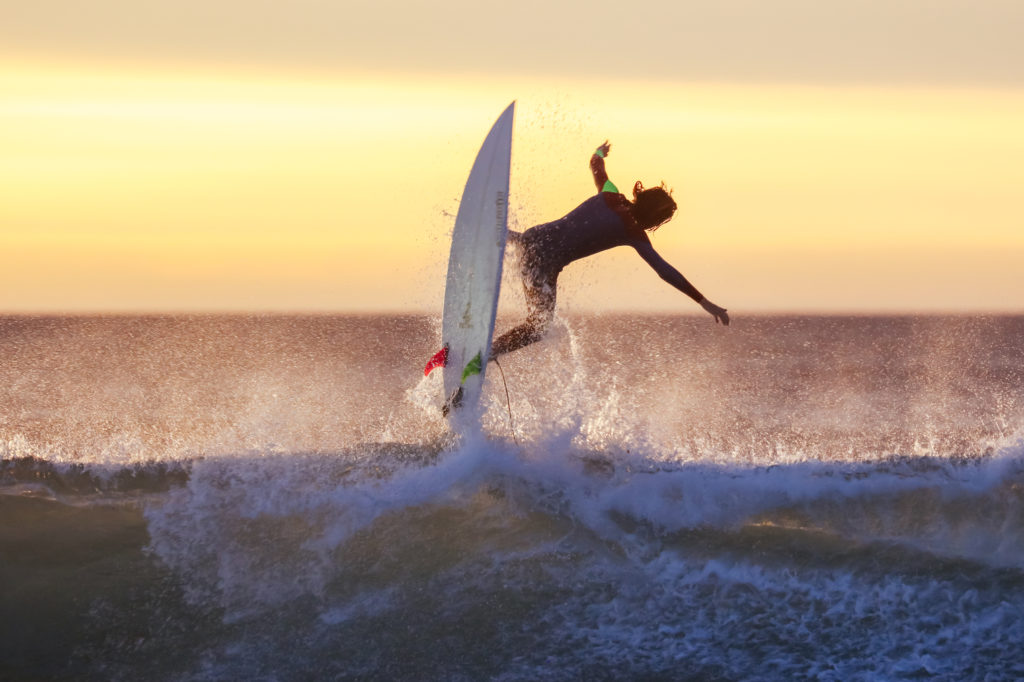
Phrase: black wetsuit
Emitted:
{"points": [[590, 228], [602, 222]]}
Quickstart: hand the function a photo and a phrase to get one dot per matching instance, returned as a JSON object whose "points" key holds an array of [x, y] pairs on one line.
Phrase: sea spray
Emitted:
{"points": [[256, 498]]}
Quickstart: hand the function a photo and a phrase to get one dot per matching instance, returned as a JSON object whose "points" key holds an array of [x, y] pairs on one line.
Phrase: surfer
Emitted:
{"points": [[603, 221]]}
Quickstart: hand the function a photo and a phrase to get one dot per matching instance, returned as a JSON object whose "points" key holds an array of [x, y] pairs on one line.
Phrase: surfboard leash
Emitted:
{"points": [[508, 402]]}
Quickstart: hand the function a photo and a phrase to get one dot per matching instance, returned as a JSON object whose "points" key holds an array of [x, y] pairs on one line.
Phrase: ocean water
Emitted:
{"points": [[654, 498]]}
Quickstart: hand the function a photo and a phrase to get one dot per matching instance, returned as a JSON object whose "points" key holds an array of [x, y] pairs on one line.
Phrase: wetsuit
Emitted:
{"points": [[602, 222]]}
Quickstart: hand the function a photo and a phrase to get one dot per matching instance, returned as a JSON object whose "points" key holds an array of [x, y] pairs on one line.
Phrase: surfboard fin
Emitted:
{"points": [[438, 359], [472, 368]]}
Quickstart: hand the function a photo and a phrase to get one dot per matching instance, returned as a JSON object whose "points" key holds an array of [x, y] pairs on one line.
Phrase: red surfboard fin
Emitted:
{"points": [[439, 359]]}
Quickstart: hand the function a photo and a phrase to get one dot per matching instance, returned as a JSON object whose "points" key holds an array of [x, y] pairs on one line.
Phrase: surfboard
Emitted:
{"points": [[474, 270]]}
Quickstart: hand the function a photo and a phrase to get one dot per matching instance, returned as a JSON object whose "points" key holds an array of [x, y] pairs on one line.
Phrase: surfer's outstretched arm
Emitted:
{"points": [[597, 168], [666, 271], [676, 279]]}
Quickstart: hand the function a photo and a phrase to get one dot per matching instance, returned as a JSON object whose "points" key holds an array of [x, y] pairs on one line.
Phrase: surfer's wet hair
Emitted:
{"points": [[652, 207]]}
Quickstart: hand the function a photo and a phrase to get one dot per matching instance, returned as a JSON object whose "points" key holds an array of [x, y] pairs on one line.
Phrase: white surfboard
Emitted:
{"points": [[474, 268]]}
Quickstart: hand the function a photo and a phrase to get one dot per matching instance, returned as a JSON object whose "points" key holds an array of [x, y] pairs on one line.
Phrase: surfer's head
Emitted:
{"points": [[652, 207]]}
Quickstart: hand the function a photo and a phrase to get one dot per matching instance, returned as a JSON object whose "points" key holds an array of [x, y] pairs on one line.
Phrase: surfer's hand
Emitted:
{"points": [[603, 150], [717, 312]]}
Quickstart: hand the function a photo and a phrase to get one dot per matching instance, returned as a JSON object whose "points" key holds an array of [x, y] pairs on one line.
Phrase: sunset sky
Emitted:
{"points": [[309, 156]]}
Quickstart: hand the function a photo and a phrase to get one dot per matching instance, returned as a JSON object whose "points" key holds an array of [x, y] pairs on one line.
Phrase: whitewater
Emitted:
{"points": [[648, 497]]}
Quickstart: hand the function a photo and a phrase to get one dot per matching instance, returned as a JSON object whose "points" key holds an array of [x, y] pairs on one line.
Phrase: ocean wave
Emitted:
{"points": [[568, 563], [966, 507], [246, 526]]}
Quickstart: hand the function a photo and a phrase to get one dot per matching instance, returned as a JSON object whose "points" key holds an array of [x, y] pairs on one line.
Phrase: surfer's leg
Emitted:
{"points": [[540, 299], [517, 337]]}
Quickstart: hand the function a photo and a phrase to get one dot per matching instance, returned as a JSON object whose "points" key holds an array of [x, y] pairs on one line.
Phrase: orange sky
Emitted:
{"points": [[136, 179]]}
